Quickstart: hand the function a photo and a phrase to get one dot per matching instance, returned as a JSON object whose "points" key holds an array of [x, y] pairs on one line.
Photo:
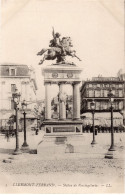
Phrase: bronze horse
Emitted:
{"points": [[58, 52]]}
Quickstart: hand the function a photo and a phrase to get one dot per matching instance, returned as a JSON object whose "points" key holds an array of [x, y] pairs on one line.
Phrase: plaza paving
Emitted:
{"points": [[84, 172]]}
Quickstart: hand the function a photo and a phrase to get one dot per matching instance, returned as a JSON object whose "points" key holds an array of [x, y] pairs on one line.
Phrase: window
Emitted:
{"points": [[106, 85], [3, 82], [117, 85], [87, 93], [120, 105], [12, 72], [117, 93], [104, 105], [116, 105], [12, 104], [120, 86], [120, 93], [90, 85], [114, 92], [97, 93], [91, 93], [89, 106], [98, 105], [87, 86], [113, 85], [105, 93], [101, 105], [13, 87], [94, 85], [102, 93]]}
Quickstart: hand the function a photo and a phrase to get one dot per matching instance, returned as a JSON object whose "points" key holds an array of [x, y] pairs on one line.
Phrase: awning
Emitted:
{"points": [[5, 116], [103, 119], [106, 115]]}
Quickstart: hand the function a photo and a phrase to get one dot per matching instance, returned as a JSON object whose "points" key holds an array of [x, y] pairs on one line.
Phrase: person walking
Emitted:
{"points": [[7, 136]]}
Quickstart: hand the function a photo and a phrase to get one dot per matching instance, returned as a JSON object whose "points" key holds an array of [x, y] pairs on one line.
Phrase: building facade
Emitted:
{"points": [[121, 76], [97, 89], [21, 77]]}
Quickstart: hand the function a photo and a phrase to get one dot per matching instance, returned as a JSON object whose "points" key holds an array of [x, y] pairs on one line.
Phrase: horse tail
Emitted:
{"points": [[42, 52]]}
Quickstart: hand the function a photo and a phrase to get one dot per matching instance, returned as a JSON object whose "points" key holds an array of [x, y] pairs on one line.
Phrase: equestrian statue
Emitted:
{"points": [[58, 49]]}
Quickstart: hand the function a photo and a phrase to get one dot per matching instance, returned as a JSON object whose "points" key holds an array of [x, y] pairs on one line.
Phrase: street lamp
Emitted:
{"points": [[112, 147], [111, 99], [92, 105], [24, 106], [16, 99]]}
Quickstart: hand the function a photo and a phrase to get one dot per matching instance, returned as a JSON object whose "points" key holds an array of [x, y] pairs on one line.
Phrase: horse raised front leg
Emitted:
{"points": [[41, 61], [74, 55], [78, 58], [44, 58]]}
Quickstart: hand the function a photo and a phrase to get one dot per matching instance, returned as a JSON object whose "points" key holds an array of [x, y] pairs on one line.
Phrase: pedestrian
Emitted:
{"points": [[7, 136], [96, 131], [13, 133], [91, 128], [36, 129]]}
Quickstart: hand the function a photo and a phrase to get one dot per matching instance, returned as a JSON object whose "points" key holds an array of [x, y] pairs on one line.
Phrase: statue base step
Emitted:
{"points": [[54, 145]]}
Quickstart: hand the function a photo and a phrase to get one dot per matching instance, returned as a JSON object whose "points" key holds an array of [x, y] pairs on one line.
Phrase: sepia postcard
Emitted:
{"points": [[62, 97]]}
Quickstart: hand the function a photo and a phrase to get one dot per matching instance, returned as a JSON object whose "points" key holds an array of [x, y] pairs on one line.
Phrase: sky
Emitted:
{"points": [[96, 28]]}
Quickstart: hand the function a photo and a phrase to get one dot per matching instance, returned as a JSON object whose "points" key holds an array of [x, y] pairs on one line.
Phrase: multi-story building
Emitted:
{"points": [[97, 89], [121, 75], [21, 77]]}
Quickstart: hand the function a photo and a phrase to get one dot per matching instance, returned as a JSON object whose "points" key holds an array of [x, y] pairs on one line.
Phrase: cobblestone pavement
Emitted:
{"points": [[85, 172]]}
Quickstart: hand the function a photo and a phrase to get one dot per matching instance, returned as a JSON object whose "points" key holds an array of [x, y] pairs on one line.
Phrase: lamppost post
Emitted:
{"points": [[25, 146], [17, 132], [92, 104], [112, 147], [16, 99]]}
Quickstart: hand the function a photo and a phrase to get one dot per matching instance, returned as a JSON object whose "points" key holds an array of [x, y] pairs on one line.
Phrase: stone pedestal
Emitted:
{"points": [[62, 129]]}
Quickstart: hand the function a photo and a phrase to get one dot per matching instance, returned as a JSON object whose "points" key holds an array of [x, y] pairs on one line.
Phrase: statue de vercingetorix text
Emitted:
{"points": [[58, 49]]}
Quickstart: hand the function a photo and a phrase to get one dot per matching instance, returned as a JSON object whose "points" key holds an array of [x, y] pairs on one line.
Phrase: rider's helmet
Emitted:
{"points": [[57, 34]]}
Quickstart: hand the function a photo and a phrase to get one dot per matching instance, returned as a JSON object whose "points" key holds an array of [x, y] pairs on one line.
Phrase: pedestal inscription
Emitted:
{"points": [[63, 129]]}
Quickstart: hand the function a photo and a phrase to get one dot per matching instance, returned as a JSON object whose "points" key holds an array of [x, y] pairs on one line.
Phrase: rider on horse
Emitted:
{"points": [[59, 49], [56, 42]]}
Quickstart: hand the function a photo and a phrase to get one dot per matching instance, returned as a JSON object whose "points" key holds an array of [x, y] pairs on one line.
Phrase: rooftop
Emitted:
{"points": [[7, 70]]}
